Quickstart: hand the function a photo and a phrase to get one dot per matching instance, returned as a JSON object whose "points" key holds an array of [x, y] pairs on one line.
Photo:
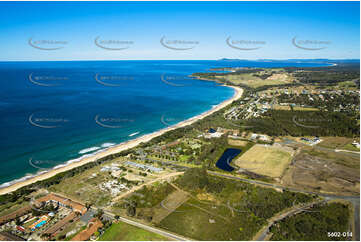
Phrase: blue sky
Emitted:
{"points": [[268, 26]]}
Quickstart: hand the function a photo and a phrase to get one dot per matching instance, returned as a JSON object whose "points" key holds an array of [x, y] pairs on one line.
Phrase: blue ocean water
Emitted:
{"points": [[58, 112]]}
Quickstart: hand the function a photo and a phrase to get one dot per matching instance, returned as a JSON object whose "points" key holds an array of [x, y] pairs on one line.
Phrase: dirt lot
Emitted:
{"points": [[236, 142], [325, 172], [266, 160]]}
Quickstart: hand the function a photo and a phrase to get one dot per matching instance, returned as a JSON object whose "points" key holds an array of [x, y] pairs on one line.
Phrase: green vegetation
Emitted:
{"points": [[327, 75], [149, 196], [305, 123], [124, 232], [333, 217], [225, 209], [250, 77]]}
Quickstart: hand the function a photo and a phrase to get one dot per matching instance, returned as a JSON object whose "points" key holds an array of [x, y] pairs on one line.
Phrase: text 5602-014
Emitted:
{"points": [[339, 234]]}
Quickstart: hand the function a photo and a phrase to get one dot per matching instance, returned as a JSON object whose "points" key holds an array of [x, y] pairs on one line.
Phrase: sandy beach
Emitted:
{"points": [[122, 146]]}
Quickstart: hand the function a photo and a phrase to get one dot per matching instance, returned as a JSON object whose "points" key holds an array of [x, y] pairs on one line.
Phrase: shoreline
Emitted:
{"points": [[122, 146]]}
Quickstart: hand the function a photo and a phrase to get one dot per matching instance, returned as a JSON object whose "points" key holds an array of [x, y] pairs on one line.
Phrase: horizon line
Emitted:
{"points": [[222, 59]]}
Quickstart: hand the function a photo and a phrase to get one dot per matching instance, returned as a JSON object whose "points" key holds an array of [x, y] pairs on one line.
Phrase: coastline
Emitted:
{"points": [[122, 146]]}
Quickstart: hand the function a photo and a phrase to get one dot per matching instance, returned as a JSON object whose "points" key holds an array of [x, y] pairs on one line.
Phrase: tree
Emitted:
{"points": [[131, 210], [88, 205], [195, 178], [99, 213]]}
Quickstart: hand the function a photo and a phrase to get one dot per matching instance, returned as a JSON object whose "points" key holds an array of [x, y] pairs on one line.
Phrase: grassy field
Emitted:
{"points": [[305, 109], [124, 232], [146, 198], [347, 84], [265, 160], [338, 143], [169, 204], [206, 224], [11, 207], [283, 107], [253, 81]]}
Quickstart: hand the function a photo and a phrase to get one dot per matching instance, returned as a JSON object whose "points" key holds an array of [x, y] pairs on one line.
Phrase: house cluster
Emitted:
{"points": [[253, 109], [114, 187], [217, 133], [261, 137], [144, 167], [43, 218]]}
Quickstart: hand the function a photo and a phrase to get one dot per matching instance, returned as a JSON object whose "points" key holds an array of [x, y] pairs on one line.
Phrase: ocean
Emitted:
{"points": [[54, 113]]}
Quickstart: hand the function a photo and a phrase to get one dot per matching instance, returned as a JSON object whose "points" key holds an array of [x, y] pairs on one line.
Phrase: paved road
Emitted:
{"points": [[261, 235], [355, 200], [147, 227]]}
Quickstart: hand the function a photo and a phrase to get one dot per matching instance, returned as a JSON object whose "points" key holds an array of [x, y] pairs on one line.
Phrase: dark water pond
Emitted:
{"points": [[226, 158]]}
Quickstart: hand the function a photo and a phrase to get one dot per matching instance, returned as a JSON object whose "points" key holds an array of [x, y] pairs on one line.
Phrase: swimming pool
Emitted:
{"points": [[41, 223]]}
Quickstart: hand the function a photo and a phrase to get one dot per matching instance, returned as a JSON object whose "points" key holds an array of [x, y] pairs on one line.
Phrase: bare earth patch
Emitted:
{"points": [[236, 142], [321, 174]]}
